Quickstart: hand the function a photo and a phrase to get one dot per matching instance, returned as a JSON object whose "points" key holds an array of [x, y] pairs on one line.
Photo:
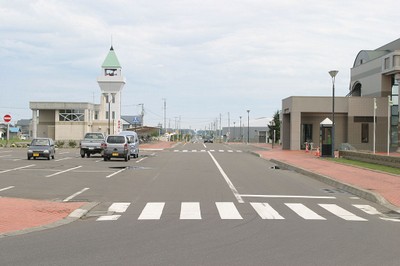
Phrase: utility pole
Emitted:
{"points": [[142, 113], [165, 115]]}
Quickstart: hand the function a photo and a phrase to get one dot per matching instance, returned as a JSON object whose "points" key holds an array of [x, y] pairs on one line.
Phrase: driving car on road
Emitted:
{"points": [[133, 141], [116, 146], [41, 147], [91, 144]]}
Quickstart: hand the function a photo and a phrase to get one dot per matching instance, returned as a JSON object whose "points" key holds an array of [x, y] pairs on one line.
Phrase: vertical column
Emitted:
{"points": [[34, 123]]}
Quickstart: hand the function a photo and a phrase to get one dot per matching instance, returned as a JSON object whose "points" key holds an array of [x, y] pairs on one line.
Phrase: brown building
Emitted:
{"points": [[375, 76]]}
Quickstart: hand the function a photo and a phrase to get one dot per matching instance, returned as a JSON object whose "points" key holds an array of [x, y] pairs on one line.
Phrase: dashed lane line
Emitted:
{"points": [[64, 171], [76, 194], [18, 168]]}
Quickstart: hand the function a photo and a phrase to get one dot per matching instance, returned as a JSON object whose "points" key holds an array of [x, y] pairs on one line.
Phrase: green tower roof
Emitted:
{"points": [[111, 60]]}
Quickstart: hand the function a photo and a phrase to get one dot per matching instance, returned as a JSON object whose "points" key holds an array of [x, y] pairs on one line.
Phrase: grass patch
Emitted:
{"points": [[372, 166]]}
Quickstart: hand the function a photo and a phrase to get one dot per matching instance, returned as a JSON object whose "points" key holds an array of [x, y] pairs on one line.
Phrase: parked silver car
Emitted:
{"points": [[41, 147], [116, 146]]}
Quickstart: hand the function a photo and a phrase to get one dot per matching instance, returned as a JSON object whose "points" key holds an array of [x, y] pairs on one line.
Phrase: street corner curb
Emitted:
{"points": [[353, 189], [255, 154], [73, 216]]}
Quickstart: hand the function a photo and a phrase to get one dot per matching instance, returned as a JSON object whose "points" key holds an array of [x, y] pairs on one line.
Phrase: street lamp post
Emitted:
{"points": [[273, 132], [333, 74], [248, 126], [240, 129], [234, 129]]}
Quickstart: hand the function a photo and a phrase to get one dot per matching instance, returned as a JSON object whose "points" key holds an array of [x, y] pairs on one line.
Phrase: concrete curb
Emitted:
{"points": [[353, 189], [73, 216]]}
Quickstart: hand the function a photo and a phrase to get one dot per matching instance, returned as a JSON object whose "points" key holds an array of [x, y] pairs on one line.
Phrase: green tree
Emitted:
{"points": [[274, 124]]}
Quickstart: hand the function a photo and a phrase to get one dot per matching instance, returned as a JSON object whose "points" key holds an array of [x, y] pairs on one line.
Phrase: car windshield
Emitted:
{"points": [[40, 142], [116, 139], [94, 136]]}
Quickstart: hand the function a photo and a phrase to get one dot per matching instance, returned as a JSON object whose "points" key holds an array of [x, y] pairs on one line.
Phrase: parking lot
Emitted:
{"points": [[66, 178]]}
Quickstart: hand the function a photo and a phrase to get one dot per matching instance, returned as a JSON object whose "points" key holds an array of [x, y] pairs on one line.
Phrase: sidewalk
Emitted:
{"points": [[379, 187]]}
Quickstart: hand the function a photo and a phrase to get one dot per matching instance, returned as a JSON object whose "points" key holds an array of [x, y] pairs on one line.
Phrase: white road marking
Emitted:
{"points": [[76, 194], [109, 217], [190, 211], [266, 211], [194, 150], [238, 151], [176, 150], [62, 159], [286, 196], [228, 211], [138, 161], [6, 188], [119, 207], [119, 171], [185, 151], [203, 151], [1, 156], [304, 212], [18, 168], [230, 184], [342, 213], [367, 209], [65, 152], [204, 145], [230, 150], [61, 172], [152, 211], [221, 150]]}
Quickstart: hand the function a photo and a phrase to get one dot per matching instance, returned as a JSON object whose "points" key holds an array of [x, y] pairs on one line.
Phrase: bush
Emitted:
{"points": [[60, 143], [72, 143]]}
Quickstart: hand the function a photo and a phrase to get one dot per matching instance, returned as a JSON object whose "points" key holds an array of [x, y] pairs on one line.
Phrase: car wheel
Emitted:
{"points": [[88, 154], [105, 158], [29, 157], [52, 157], [48, 158], [126, 158]]}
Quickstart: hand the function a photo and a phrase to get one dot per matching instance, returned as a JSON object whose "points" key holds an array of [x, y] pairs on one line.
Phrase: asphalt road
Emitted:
{"points": [[195, 204]]}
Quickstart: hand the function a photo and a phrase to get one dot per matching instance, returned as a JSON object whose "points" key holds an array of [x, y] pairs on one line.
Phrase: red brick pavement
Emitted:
{"points": [[386, 185], [19, 214]]}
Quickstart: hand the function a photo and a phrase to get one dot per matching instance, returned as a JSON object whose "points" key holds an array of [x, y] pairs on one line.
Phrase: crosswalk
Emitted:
{"points": [[229, 211], [220, 151]]}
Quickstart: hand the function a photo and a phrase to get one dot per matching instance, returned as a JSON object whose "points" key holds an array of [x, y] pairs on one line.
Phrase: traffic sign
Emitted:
{"points": [[7, 118]]}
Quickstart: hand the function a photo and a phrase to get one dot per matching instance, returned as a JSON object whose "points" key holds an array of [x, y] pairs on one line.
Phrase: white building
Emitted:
{"points": [[71, 120]]}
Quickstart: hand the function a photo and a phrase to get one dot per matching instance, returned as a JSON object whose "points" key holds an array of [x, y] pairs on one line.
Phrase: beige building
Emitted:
{"points": [[375, 76], [71, 120]]}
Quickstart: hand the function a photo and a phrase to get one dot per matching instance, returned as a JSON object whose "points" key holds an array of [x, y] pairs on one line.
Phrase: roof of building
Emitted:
{"points": [[111, 60], [14, 129]]}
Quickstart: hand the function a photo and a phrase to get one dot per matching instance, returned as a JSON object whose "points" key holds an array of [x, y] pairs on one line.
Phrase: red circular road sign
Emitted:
{"points": [[7, 118]]}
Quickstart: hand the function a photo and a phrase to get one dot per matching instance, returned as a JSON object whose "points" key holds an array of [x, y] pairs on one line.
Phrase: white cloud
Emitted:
{"points": [[206, 57]]}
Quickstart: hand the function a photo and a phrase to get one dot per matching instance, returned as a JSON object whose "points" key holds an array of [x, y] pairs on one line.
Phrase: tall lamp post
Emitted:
{"points": [[273, 132], [248, 126], [333, 74], [240, 129]]}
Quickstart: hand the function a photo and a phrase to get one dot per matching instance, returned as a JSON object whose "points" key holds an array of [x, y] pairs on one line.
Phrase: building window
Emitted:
{"points": [[96, 115], [387, 63], [396, 61], [71, 115], [107, 115], [364, 133], [113, 115]]}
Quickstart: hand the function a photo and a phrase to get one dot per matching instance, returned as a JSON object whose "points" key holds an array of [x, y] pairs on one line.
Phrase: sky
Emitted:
{"points": [[209, 59]]}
